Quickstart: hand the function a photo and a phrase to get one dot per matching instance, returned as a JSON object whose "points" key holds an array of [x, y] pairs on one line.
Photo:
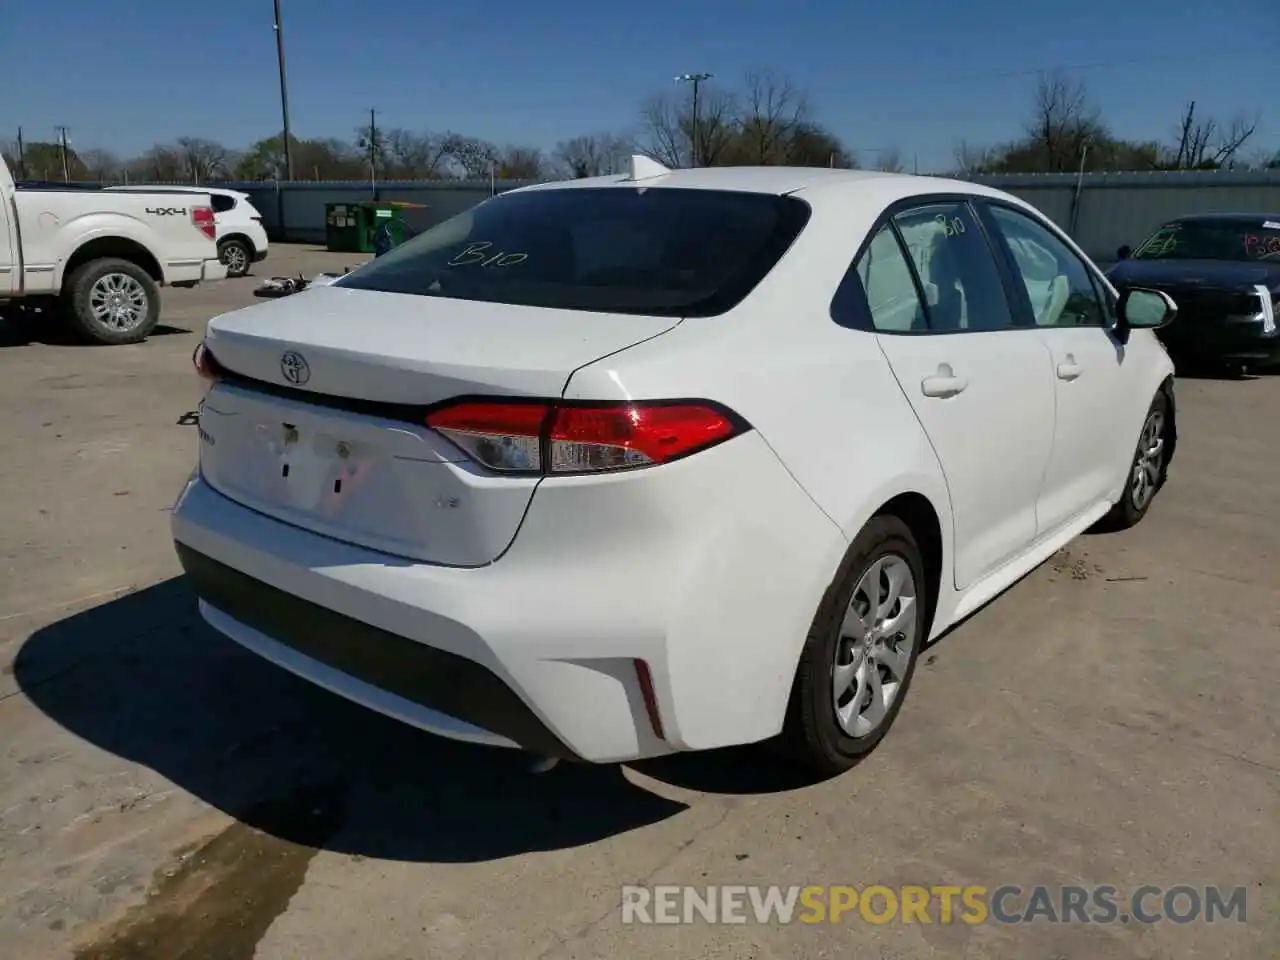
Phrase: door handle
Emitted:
{"points": [[943, 385], [1069, 370]]}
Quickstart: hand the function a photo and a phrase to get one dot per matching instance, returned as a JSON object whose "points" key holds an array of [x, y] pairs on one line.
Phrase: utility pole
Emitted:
{"points": [[284, 96], [373, 152], [696, 79], [62, 145], [22, 157]]}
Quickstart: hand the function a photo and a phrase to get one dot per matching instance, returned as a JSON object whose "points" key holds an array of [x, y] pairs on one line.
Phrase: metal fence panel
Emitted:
{"points": [[1113, 208]]}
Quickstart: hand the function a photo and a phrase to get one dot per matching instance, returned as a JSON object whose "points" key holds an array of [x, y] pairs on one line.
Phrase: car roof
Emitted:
{"points": [[863, 186], [179, 188], [1229, 217]]}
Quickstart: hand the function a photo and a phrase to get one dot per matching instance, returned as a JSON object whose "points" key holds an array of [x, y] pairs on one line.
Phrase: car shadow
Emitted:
{"points": [[23, 328], [1224, 371], [144, 678]]}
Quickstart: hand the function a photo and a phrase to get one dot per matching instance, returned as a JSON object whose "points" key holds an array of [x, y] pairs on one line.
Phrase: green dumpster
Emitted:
{"points": [[353, 227], [343, 230]]}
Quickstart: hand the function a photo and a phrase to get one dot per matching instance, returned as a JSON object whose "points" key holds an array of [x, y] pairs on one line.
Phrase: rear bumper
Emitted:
{"points": [[260, 254], [188, 273], [712, 585], [213, 270], [437, 689]]}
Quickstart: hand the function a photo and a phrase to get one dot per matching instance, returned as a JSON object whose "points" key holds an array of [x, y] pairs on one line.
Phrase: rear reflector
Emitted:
{"points": [[564, 438], [645, 678]]}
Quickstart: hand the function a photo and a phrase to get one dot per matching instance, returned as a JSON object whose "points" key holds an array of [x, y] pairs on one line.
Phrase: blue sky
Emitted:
{"points": [[917, 76]]}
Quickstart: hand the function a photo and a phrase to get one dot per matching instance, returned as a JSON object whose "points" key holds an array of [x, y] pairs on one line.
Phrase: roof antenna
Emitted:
{"points": [[645, 168]]}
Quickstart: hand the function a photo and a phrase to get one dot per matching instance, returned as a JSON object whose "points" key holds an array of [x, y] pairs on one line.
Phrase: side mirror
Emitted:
{"points": [[1124, 252], [1143, 309]]}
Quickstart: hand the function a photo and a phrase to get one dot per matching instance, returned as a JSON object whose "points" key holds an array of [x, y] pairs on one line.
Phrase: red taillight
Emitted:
{"points": [[206, 366], [582, 438], [202, 217]]}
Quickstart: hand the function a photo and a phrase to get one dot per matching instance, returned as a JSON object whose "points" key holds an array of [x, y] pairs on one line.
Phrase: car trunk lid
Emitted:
{"points": [[318, 421]]}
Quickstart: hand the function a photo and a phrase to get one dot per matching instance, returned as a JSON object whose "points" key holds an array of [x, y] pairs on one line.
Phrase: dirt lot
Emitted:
{"points": [[164, 795]]}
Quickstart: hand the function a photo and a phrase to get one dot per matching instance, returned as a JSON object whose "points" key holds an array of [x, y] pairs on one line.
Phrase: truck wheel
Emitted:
{"points": [[236, 256], [111, 301]]}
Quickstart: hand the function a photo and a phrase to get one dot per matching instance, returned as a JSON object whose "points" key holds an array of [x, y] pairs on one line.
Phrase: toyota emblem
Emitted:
{"points": [[294, 368]]}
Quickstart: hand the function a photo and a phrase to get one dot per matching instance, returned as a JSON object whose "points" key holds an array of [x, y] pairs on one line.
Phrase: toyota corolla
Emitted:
{"points": [[671, 460]]}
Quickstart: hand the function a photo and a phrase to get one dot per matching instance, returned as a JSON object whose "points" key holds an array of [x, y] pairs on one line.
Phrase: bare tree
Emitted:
{"points": [[202, 160], [890, 160], [812, 145], [1205, 144], [101, 165], [416, 156], [163, 163], [473, 157], [667, 127], [592, 155], [521, 163], [972, 160], [663, 130], [772, 110], [1064, 120]]}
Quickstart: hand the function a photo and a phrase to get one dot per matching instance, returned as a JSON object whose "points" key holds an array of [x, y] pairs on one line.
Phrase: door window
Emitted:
{"points": [[957, 271], [1057, 282]]}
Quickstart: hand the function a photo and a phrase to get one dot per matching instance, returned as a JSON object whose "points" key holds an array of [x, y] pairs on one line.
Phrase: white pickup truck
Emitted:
{"points": [[98, 259]]}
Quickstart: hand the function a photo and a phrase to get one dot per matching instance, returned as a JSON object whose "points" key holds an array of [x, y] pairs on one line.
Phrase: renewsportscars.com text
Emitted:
{"points": [[972, 904]]}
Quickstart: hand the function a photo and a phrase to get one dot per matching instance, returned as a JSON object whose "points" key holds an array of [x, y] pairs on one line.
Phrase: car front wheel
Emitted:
{"points": [[861, 652], [1147, 469]]}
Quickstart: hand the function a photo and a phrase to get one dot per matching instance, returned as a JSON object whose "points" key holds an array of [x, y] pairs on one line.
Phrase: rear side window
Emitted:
{"points": [[890, 288], [655, 251], [221, 203]]}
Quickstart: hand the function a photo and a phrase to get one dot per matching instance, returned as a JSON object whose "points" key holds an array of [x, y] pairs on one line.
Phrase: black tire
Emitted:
{"points": [[1131, 508], [78, 306], [237, 256], [812, 735]]}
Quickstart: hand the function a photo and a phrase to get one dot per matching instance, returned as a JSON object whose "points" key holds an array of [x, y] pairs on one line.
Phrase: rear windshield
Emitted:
{"points": [[1226, 239], [655, 251]]}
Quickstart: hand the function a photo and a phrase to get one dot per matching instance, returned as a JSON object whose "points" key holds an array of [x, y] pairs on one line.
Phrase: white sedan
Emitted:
{"points": [[632, 465]]}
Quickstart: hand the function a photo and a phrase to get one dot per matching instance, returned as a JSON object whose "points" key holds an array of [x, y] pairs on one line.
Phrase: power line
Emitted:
{"points": [[1071, 68]]}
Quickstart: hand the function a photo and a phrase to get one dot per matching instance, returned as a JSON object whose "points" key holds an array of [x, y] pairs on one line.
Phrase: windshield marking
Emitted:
{"points": [[1255, 245], [478, 253]]}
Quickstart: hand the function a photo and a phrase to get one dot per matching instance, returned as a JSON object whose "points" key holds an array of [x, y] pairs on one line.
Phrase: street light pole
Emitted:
{"points": [[697, 79], [284, 96]]}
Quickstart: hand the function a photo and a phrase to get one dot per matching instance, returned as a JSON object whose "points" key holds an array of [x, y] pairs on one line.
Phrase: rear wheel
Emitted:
{"points": [[235, 255], [111, 301], [860, 655], [1147, 469]]}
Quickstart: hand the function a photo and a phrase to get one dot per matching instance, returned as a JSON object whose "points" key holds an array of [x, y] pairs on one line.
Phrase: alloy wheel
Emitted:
{"points": [[877, 642]]}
